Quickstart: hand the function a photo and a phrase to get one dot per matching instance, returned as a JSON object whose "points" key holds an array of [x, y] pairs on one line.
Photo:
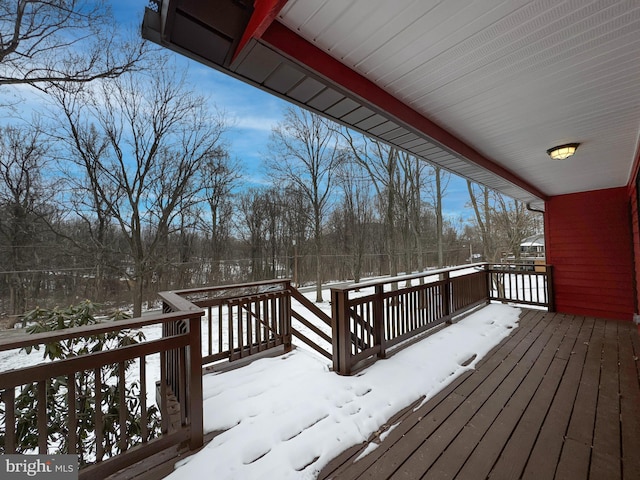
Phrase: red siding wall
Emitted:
{"points": [[633, 200], [589, 243]]}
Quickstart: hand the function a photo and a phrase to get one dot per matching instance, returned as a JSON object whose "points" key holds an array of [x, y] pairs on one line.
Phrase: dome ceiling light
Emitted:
{"points": [[562, 151]]}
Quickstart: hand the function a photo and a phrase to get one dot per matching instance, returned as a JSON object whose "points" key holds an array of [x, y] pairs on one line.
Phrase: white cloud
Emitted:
{"points": [[255, 122]]}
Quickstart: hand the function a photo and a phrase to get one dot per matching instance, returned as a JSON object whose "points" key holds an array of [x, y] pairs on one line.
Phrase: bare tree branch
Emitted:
{"points": [[45, 42]]}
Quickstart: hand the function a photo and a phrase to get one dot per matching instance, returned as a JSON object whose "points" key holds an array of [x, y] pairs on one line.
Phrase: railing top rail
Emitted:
{"points": [[22, 341], [16, 377], [402, 278], [493, 265], [177, 302], [190, 291]]}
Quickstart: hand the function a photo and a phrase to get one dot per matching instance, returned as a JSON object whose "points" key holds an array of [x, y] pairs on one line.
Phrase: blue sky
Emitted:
{"points": [[253, 113]]}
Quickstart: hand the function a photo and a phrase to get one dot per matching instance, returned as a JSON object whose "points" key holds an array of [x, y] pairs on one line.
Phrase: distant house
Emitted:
{"points": [[533, 247]]}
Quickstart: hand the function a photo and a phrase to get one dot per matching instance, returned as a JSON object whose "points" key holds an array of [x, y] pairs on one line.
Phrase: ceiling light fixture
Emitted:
{"points": [[562, 151]]}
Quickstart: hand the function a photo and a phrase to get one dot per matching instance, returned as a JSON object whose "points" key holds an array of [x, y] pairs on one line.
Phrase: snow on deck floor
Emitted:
{"points": [[287, 417]]}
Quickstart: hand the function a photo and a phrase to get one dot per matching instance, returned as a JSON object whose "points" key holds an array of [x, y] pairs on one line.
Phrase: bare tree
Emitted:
{"points": [[513, 224], [380, 161], [218, 177], [297, 231], [415, 174], [255, 223], [355, 214], [45, 41], [156, 138], [22, 204], [305, 155], [482, 209], [503, 223], [437, 192]]}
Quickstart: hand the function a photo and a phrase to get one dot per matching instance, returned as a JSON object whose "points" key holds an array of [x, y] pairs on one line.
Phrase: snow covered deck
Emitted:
{"points": [[559, 398]]}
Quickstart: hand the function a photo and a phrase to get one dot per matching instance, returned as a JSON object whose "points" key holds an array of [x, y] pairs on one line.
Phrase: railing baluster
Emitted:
{"points": [[249, 315], [259, 326], [256, 325], [210, 332], [42, 417], [274, 323], [122, 406], [220, 328], [230, 332], [98, 417], [182, 386], [144, 419], [164, 400], [72, 423], [240, 331], [550, 294], [257, 317], [8, 396]]}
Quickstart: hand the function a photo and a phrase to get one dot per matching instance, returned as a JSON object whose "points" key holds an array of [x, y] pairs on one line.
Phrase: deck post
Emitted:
{"points": [[341, 331], [487, 269], [171, 357], [446, 295], [285, 317], [194, 391], [551, 300], [378, 321]]}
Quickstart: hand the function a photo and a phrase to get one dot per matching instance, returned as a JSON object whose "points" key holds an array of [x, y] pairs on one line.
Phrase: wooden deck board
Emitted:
{"points": [[438, 409], [423, 443], [629, 401], [528, 404], [518, 448], [498, 414], [606, 435], [559, 398], [546, 452]]}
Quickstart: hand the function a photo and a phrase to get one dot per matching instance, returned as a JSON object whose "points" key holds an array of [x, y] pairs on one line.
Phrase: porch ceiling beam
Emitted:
{"points": [[299, 50], [264, 14]]}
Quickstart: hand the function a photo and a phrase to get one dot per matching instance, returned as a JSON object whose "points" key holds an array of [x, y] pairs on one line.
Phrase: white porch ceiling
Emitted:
{"points": [[509, 78]]}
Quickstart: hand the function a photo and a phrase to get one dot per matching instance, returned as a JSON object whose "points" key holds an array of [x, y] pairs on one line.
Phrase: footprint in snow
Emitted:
{"points": [[294, 431], [254, 452], [362, 391]]}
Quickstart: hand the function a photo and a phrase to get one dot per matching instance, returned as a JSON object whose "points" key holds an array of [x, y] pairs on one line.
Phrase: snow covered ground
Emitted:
{"points": [[287, 417]]}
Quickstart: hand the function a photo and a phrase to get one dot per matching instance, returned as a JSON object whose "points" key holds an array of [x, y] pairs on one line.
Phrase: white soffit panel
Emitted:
{"points": [[511, 78]]}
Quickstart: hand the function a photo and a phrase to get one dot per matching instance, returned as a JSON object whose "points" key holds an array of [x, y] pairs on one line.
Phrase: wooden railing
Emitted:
{"points": [[370, 324], [366, 325], [522, 283], [245, 319], [89, 367], [240, 320]]}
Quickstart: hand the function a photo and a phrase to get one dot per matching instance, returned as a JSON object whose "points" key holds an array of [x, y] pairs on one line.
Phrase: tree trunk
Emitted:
{"points": [[319, 278], [137, 292], [318, 246]]}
